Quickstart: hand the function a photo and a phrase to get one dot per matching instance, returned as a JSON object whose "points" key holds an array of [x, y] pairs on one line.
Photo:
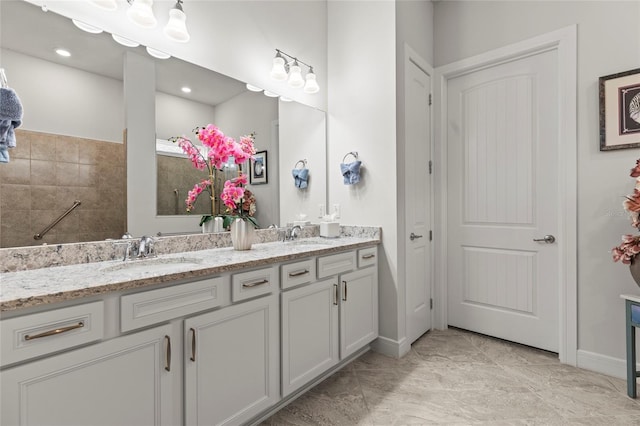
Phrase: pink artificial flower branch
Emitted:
{"points": [[630, 246]]}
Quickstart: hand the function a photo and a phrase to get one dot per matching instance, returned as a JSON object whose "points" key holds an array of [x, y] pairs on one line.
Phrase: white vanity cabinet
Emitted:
{"points": [[124, 381], [232, 363], [326, 321], [309, 333]]}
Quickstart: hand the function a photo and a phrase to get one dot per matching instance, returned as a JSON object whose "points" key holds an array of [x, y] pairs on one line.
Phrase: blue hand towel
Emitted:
{"points": [[300, 177], [7, 135], [351, 172]]}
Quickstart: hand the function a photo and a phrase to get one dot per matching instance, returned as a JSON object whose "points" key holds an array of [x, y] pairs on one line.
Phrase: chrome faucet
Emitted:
{"points": [[291, 233]]}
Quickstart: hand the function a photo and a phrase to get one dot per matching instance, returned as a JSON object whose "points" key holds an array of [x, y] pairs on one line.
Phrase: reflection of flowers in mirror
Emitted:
{"points": [[220, 149], [630, 246]]}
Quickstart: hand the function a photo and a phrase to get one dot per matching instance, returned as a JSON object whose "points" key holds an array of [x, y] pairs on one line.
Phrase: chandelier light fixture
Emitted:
{"points": [[290, 70], [140, 12]]}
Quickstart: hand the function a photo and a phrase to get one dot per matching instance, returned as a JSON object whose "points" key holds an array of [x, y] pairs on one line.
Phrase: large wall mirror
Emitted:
{"points": [[78, 103]]}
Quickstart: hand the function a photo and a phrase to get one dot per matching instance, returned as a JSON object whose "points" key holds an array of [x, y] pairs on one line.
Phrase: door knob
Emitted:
{"points": [[414, 236], [549, 239]]}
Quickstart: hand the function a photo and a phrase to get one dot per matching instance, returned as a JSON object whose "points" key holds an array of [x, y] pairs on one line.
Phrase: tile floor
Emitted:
{"points": [[455, 377]]}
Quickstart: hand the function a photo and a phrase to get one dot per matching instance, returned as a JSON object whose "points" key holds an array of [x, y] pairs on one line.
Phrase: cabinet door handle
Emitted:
{"points": [[54, 332], [344, 296], [167, 365], [335, 294], [299, 273], [249, 285], [193, 344], [368, 256]]}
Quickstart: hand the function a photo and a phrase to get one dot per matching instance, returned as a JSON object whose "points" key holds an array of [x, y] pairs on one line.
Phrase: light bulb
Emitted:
{"points": [[176, 28], [295, 76], [270, 94], [278, 72], [105, 4], [63, 52], [311, 86], [141, 13]]}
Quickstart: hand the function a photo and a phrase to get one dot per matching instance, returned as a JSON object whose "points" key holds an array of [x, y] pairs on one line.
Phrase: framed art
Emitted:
{"points": [[620, 110], [258, 169]]}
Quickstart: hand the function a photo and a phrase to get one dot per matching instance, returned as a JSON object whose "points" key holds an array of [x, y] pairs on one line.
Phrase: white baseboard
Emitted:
{"points": [[390, 347], [603, 364]]}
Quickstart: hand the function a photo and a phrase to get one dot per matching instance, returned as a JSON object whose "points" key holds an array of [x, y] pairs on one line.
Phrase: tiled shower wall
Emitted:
{"points": [[46, 174]]}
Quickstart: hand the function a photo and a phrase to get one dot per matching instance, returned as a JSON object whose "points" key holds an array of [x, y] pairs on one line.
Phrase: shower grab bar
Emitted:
{"points": [[39, 236]]}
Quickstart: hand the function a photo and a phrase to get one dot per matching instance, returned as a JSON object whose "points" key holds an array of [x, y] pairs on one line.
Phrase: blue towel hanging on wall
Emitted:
{"points": [[300, 178], [351, 172]]}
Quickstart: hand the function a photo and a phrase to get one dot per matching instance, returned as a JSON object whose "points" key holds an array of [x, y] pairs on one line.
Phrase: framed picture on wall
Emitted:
{"points": [[620, 110], [258, 169]]}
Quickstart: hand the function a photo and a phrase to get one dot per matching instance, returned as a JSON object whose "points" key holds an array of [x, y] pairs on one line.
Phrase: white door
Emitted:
{"points": [[503, 194], [417, 199]]}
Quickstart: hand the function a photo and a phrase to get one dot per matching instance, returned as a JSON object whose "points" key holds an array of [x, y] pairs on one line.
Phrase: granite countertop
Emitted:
{"points": [[29, 288]]}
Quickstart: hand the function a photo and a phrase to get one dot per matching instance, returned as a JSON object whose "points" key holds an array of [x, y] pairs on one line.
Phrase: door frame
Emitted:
{"points": [[564, 41], [410, 55]]}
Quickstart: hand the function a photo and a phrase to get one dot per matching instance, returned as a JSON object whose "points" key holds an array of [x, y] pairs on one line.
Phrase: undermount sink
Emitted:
{"points": [[154, 264]]}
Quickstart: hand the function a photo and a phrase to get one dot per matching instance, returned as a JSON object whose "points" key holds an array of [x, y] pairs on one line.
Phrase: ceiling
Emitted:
{"points": [[26, 29]]}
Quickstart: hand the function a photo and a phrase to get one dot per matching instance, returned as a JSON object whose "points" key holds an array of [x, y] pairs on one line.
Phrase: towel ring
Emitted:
{"points": [[354, 153], [304, 163]]}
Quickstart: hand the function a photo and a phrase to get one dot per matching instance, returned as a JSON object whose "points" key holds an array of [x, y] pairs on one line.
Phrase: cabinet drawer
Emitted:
{"points": [[253, 283], [298, 273], [155, 306], [336, 264], [39, 334], [367, 257]]}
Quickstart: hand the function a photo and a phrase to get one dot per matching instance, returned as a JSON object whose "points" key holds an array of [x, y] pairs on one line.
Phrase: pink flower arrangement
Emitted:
{"points": [[219, 149], [630, 246]]}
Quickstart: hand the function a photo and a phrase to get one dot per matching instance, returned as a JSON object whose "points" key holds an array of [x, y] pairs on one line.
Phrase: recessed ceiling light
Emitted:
{"points": [[253, 88], [270, 94], [157, 53], [86, 27], [186, 89], [125, 41], [63, 52]]}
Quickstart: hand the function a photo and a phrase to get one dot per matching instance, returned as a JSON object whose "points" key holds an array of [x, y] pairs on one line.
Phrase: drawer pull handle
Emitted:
{"points": [[299, 273], [54, 332], [368, 256], [167, 366], [249, 285], [193, 345], [344, 297], [335, 294]]}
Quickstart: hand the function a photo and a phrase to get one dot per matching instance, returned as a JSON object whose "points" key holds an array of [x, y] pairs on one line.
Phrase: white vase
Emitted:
{"points": [[242, 233], [208, 226]]}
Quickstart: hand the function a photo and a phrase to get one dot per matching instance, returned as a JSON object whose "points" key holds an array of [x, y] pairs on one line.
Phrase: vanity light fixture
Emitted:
{"points": [[141, 13], [86, 27], [283, 70], [176, 28], [157, 53]]}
